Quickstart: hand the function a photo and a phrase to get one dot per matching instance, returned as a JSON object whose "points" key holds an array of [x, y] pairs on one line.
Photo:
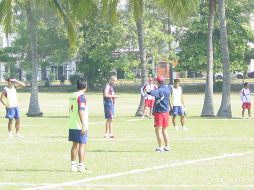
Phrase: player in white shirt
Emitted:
{"points": [[178, 104], [246, 100], [9, 100], [149, 100]]}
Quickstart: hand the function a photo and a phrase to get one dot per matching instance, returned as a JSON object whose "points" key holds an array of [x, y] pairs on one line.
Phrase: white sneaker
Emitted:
{"points": [[106, 135], [83, 169], [10, 135], [159, 149], [19, 135], [74, 168], [176, 128], [166, 149], [185, 128]]}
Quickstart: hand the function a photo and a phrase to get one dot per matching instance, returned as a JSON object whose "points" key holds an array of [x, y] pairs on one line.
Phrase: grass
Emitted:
{"points": [[42, 156]]}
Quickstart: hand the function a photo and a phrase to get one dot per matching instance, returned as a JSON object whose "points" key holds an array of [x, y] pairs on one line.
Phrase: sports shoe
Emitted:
{"points": [[19, 135], [185, 128], [166, 149], [112, 136], [74, 168], [176, 128], [106, 135], [83, 169], [10, 135], [159, 149]]}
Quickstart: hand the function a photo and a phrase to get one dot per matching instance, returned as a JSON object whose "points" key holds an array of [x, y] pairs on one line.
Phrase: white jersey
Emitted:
{"points": [[176, 96], [148, 87], [245, 95], [11, 96]]}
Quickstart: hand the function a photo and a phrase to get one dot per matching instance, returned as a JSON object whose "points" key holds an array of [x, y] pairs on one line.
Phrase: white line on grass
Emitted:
{"points": [[230, 155], [169, 186]]}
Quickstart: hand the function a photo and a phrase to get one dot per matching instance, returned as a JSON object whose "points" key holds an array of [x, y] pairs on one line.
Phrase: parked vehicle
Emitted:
{"points": [[234, 75]]}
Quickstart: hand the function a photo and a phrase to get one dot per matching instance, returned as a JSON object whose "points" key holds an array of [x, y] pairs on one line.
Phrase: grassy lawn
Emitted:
{"points": [[214, 154]]}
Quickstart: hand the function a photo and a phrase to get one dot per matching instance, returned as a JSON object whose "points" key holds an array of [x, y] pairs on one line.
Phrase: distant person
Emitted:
{"points": [[178, 104], [246, 100], [160, 112], [149, 100], [78, 126], [9, 100], [109, 106]]}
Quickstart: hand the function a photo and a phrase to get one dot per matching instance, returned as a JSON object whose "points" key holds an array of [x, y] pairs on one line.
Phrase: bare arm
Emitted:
{"points": [[18, 83], [1, 99], [81, 114], [182, 100]]}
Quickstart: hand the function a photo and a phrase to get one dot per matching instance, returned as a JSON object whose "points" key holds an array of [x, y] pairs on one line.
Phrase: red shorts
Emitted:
{"points": [[161, 119], [149, 103], [246, 105]]}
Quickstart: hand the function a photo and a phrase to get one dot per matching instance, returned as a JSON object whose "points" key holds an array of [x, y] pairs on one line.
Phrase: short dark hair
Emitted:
{"points": [[81, 84], [176, 80], [245, 84], [8, 79]]}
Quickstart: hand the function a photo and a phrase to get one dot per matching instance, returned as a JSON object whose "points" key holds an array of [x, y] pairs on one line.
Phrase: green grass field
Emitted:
{"points": [[214, 154]]}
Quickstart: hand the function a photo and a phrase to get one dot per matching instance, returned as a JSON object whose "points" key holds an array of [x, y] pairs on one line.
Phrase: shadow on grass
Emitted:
{"points": [[112, 151], [215, 118], [32, 170]]}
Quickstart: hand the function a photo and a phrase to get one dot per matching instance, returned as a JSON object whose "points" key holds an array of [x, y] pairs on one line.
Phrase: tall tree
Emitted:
{"points": [[225, 107], [7, 8], [208, 109]]}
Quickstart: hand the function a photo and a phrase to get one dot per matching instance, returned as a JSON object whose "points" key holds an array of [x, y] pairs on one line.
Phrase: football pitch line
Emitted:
{"points": [[137, 171]]}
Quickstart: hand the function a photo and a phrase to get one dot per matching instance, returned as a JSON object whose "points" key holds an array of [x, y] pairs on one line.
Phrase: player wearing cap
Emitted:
{"points": [[149, 100], [161, 113]]}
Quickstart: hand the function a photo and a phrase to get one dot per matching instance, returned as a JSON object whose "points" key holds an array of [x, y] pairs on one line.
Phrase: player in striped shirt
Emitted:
{"points": [[149, 100]]}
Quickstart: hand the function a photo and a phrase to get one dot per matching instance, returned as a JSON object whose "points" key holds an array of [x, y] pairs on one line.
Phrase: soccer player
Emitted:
{"points": [[178, 104], [160, 112], [245, 98], [78, 126], [149, 100], [9, 100], [109, 106]]}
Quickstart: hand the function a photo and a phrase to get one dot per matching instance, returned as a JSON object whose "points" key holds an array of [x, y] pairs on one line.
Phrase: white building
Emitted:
{"points": [[66, 69]]}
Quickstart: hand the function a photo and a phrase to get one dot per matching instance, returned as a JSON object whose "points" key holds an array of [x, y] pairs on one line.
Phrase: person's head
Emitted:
{"points": [[160, 80], [9, 81], [150, 79], [81, 84], [176, 82], [246, 85], [113, 80]]}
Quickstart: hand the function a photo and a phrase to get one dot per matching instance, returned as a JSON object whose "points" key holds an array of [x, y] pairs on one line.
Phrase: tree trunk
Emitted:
{"points": [[140, 30], [225, 107], [208, 102], [34, 108]]}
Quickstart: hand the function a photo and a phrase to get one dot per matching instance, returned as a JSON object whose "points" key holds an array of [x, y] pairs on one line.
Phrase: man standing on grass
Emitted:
{"points": [[9, 100], [78, 126], [245, 98], [149, 100], [161, 113], [178, 104], [109, 106]]}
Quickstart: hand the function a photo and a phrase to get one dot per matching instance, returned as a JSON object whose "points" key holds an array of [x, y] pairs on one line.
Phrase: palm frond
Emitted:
{"points": [[68, 24], [6, 15], [109, 9], [179, 9]]}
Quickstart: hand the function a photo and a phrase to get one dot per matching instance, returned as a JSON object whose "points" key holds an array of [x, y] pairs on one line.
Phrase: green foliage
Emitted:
{"points": [[194, 41]]}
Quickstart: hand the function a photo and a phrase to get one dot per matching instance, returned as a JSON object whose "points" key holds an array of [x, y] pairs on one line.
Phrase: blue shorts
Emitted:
{"points": [[109, 110], [178, 110], [76, 136], [12, 113]]}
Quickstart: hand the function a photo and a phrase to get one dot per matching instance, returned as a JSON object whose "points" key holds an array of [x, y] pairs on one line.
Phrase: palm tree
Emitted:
{"points": [[208, 102], [225, 107], [6, 19]]}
